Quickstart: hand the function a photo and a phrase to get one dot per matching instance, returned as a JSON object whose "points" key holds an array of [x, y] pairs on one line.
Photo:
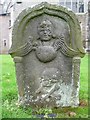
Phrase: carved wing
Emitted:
{"points": [[23, 50], [64, 48]]}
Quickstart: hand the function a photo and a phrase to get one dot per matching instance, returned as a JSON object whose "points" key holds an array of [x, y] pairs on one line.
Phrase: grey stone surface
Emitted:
{"points": [[88, 30], [47, 48]]}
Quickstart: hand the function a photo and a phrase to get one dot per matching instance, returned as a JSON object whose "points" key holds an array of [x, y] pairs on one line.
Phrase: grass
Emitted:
{"points": [[10, 107], [9, 88]]}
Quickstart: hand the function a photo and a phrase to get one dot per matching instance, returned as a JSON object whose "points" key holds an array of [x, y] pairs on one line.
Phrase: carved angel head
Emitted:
{"points": [[45, 30]]}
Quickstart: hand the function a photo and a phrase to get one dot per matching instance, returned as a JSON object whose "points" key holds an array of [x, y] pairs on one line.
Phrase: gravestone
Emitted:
{"points": [[47, 48]]}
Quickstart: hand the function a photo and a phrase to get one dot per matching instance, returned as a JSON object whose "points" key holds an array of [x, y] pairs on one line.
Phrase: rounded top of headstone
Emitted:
{"points": [[28, 15]]}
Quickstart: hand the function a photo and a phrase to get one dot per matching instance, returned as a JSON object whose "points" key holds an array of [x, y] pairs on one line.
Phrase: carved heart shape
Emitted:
{"points": [[45, 53]]}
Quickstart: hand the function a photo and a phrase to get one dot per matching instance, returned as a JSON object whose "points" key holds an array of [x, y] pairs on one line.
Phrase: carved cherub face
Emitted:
{"points": [[45, 30]]}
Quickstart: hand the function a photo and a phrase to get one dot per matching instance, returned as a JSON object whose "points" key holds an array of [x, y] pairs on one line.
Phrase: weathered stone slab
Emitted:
{"points": [[47, 48]]}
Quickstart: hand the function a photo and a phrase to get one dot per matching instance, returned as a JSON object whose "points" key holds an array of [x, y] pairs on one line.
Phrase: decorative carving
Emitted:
{"points": [[47, 44], [49, 84], [51, 10], [47, 56], [45, 53], [25, 49], [45, 30]]}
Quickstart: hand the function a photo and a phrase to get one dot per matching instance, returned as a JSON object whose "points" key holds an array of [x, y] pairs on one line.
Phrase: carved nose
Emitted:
{"points": [[45, 32]]}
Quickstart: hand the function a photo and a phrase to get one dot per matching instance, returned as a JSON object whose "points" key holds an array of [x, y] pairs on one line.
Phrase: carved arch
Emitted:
{"points": [[52, 10]]}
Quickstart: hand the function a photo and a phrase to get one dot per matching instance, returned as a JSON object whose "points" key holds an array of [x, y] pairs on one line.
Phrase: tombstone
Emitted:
{"points": [[47, 48]]}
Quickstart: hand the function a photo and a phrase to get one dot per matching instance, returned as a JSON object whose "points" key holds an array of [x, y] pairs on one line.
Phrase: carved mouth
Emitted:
{"points": [[46, 37], [45, 53]]}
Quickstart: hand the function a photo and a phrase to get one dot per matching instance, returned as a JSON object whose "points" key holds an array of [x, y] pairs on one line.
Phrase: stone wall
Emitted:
{"points": [[83, 23]]}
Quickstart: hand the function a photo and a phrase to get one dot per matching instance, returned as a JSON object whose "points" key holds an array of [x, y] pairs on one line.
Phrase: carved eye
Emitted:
{"points": [[49, 96]]}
